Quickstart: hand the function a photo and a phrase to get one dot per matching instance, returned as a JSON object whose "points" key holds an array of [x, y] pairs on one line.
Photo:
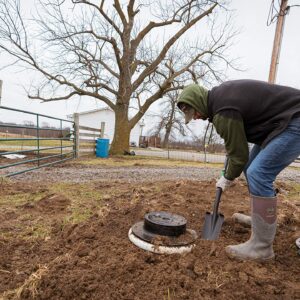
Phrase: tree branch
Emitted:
{"points": [[120, 12], [165, 49], [101, 85], [102, 12], [54, 98]]}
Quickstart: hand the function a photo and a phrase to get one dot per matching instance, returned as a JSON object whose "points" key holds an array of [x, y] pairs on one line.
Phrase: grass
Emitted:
{"points": [[84, 201], [31, 229], [128, 161], [30, 284], [77, 216], [19, 199], [76, 192], [294, 191], [170, 295], [27, 226], [33, 143], [38, 230]]}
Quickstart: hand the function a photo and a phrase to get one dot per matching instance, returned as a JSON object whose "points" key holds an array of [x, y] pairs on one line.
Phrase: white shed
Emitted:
{"points": [[93, 118]]}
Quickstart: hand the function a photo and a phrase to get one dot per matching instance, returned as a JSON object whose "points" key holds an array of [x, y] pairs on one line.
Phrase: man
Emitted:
{"points": [[266, 115]]}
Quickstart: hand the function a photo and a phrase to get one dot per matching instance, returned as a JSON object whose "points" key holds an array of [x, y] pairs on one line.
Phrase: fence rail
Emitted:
{"points": [[59, 147], [86, 137]]}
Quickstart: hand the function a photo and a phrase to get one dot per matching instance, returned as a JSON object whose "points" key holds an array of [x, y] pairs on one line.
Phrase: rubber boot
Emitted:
{"points": [[242, 219], [260, 245]]}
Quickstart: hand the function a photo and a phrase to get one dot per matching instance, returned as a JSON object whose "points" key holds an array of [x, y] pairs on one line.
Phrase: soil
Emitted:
{"points": [[45, 255]]}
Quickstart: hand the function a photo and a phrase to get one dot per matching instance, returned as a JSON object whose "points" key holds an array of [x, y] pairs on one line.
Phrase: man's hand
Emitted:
{"points": [[224, 183]]}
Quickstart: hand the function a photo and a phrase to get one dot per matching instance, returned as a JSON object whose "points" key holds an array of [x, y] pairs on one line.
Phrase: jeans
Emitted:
{"points": [[265, 164]]}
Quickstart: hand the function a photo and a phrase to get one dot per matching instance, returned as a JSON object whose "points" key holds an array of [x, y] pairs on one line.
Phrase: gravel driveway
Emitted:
{"points": [[80, 173]]}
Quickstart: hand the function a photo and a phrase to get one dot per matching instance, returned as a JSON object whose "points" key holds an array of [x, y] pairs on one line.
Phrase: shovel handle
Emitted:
{"points": [[218, 194], [225, 165], [217, 202], [219, 190]]}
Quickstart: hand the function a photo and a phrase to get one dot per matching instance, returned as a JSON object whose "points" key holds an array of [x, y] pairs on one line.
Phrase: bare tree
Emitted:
{"points": [[171, 123], [207, 139], [28, 123], [114, 52], [45, 124]]}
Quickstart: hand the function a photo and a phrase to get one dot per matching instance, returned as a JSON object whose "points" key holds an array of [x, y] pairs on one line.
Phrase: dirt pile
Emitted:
{"points": [[51, 204], [95, 260]]}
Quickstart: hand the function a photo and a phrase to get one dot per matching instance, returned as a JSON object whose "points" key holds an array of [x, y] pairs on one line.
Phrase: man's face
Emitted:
{"points": [[190, 113], [197, 116]]}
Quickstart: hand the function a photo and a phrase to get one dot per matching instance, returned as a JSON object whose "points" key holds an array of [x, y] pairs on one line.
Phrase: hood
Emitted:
{"points": [[195, 96]]}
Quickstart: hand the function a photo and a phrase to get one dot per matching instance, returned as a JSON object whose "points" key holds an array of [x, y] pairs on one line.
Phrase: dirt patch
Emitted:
{"points": [[49, 204], [93, 258]]}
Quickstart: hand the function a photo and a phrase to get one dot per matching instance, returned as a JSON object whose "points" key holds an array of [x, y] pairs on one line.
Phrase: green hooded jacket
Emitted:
{"points": [[229, 125]]}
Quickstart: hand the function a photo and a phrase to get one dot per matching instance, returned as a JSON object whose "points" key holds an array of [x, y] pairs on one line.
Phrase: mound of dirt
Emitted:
{"points": [[95, 259], [53, 203], [50, 204], [8, 187]]}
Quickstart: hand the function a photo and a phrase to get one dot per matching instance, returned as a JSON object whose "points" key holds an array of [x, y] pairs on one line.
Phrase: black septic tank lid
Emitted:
{"points": [[165, 223]]}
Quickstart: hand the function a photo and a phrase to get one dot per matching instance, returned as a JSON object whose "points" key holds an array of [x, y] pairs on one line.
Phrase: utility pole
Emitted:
{"points": [[1, 83], [277, 40]]}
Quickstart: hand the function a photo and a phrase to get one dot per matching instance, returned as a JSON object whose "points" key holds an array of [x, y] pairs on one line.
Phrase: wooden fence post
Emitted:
{"points": [[76, 121]]}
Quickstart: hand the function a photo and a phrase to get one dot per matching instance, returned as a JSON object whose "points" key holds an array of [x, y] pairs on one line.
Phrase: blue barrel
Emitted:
{"points": [[102, 146]]}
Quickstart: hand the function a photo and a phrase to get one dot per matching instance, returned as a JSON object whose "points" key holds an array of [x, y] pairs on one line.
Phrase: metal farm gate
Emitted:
{"points": [[34, 144]]}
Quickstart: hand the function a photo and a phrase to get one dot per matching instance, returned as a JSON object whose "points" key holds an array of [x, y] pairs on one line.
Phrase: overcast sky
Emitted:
{"points": [[253, 46]]}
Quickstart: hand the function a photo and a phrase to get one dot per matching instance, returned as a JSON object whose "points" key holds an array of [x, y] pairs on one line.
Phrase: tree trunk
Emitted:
{"points": [[166, 138], [169, 125], [120, 141]]}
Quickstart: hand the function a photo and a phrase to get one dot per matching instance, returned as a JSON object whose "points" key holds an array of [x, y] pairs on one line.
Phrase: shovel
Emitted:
{"points": [[213, 221]]}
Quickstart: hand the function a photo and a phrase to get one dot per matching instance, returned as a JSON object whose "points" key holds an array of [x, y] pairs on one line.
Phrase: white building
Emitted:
{"points": [[94, 118]]}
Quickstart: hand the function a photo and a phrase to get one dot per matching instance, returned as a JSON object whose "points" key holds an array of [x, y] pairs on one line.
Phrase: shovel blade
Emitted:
{"points": [[212, 226]]}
